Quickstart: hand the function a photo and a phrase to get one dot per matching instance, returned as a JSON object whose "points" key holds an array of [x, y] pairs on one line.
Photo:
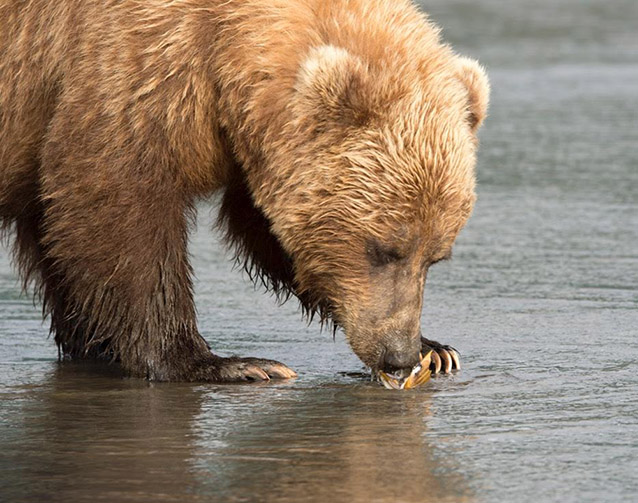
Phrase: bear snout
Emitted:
{"points": [[399, 354], [394, 360]]}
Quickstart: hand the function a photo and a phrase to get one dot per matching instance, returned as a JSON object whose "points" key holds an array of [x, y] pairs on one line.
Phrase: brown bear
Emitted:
{"points": [[342, 134]]}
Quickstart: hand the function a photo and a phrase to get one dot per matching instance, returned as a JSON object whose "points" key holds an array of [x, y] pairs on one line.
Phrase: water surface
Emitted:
{"points": [[541, 299]]}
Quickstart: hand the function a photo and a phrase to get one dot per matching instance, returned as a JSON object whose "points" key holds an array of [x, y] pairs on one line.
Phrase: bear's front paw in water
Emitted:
{"points": [[444, 358], [235, 369]]}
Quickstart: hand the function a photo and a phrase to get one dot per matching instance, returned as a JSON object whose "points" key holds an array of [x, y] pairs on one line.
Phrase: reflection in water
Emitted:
{"points": [[86, 435], [345, 443]]}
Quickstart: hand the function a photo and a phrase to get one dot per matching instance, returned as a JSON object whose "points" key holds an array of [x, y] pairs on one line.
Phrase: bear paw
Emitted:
{"points": [[236, 369], [444, 358]]}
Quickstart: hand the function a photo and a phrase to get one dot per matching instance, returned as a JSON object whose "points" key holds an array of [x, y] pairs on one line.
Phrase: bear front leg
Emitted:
{"points": [[127, 291], [444, 358], [115, 234]]}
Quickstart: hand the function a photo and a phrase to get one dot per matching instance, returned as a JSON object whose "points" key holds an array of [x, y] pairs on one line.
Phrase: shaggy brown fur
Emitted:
{"points": [[341, 132]]}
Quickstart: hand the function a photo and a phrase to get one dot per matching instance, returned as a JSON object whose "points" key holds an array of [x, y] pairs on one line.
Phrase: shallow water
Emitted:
{"points": [[541, 299]]}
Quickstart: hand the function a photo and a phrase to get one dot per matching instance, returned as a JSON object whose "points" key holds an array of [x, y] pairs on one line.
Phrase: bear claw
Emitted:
{"points": [[272, 368], [253, 369], [436, 362], [455, 359], [444, 358], [446, 361]]}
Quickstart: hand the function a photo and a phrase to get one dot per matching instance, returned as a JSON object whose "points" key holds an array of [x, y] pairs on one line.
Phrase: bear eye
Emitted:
{"points": [[447, 256], [380, 255]]}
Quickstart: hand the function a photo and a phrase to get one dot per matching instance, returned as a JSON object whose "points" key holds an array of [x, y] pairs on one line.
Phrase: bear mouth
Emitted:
{"points": [[408, 378]]}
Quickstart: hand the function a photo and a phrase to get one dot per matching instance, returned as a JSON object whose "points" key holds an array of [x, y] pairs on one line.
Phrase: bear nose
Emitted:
{"points": [[397, 360]]}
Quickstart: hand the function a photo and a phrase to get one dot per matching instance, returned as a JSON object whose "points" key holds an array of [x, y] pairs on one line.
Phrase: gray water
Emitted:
{"points": [[541, 299]]}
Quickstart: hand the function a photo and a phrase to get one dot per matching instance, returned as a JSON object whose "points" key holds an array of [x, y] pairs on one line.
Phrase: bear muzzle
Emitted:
{"points": [[393, 360]]}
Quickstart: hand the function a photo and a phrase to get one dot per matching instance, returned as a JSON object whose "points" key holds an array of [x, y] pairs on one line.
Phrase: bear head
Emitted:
{"points": [[374, 183]]}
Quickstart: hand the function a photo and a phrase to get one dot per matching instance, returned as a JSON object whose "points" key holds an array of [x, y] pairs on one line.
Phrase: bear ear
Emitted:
{"points": [[331, 85], [475, 79]]}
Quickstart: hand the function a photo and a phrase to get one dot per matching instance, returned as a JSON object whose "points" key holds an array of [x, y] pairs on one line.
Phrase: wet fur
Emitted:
{"points": [[259, 253], [116, 117]]}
